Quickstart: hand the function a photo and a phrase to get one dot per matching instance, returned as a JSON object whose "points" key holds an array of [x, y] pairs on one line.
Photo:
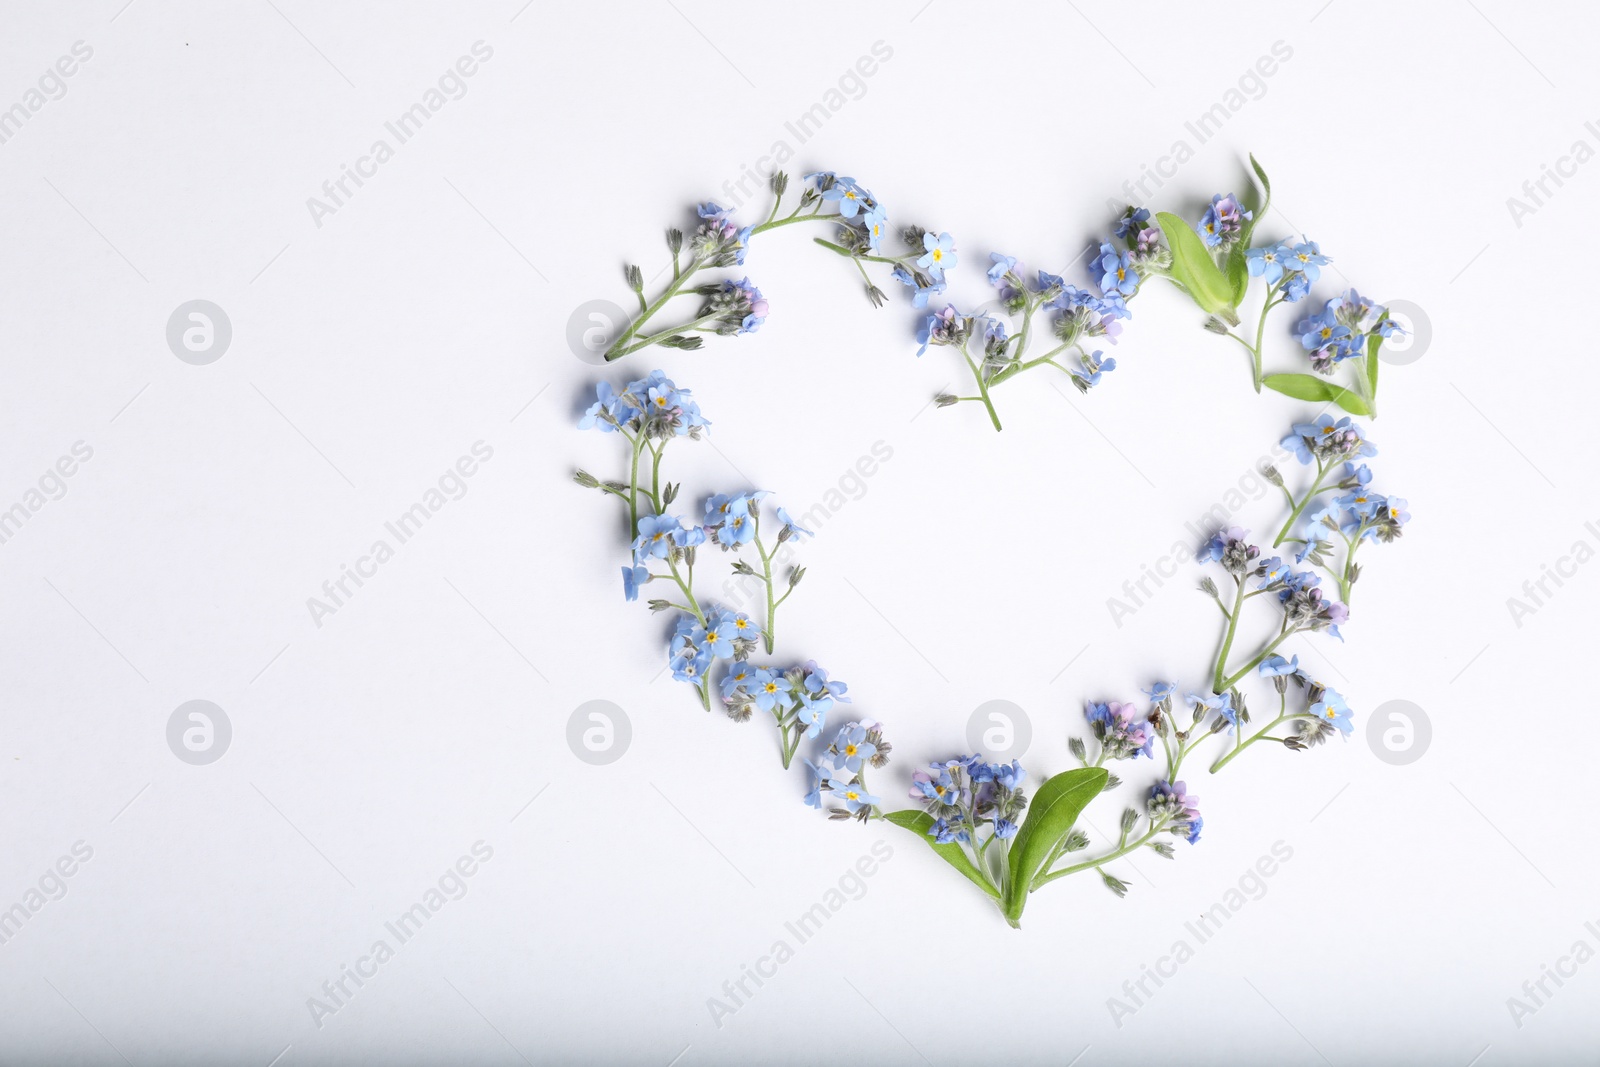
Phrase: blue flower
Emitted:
{"points": [[947, 327], [1160, 691], [1094, 368], [1217, 547], [814, 714], [938, 787], [1005, 829], [1278, 667], [1327, 438], [1002, 265], [740, 674], [1266, 262], [768, 690], [818, 685], [740, 529], [605, 413], [1307, 259], [1327, 339], [1362, 504], [632, 579], [847, 194], [1115, 270], [717, 637], [740, 626], [1221, 703], [655, 401], [943, 833], [1272, 570], [1008, 777], [920, 294], [819, 781], [790, 524], [1194, 829], [877, 225], [853, 748], [1132, 221], [1296, 288], [1223, 221], [1333, 710], [854, 795], [939, 254], [655, 536]]}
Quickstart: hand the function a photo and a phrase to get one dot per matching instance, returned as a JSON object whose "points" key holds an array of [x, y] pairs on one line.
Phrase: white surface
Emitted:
{"points": [[371, 753]]}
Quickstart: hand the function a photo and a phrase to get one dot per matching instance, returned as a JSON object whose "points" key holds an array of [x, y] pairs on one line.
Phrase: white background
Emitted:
{"points": [[429, 313]]}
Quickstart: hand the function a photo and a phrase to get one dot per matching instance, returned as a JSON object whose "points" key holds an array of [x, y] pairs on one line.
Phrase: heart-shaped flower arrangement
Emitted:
{"points": [[974, 814]]}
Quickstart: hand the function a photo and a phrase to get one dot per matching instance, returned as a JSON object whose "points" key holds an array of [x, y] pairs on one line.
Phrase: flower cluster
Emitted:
{"points": [[1171, 807], [1120, 731], [840, 772], [1288, 268], [732, 307], [1323, 711], [719, 242], [798, 698], [652, 407], [1338, 506], [1328, 440], [967, 796], [1355, 515], [649, 414], [1074, 316], [700, 640], [1343, 330], [1222, 226]]}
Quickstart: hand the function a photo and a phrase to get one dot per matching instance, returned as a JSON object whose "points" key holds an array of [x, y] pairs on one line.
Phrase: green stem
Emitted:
{"points": [[983, 389], [850, 254], [1294, 516], [1099, 861], [633, 489], [771, 634], [1263, 654], [620, 346], [1227, 640], [1259, 735], [1255, 351]]}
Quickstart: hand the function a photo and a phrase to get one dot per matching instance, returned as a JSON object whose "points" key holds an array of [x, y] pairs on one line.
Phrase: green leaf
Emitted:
{"points": [[1374, 343], [1266, 202], [1195, 270], [1054, 809], [1308, 387], [1238, 271], [919, 822]]}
